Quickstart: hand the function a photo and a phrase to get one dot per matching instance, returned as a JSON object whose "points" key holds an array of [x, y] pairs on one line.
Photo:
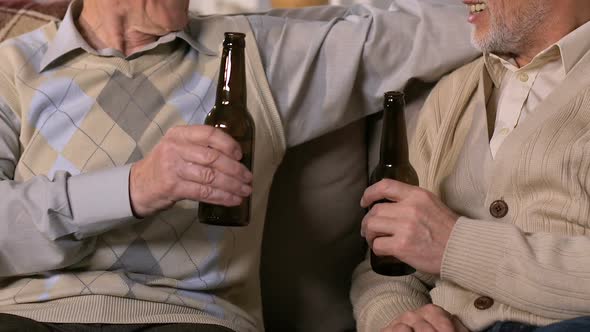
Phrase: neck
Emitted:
{"points": [[112, 24], [566, 16], [394, 141], [537, 45]]}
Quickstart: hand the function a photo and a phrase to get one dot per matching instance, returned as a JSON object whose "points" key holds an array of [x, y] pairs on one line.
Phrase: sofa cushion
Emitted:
{"points": [[21, 16], [312, 239]]}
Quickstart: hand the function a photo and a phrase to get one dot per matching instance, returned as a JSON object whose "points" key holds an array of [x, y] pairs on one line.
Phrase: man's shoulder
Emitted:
{"points": [[455, 87], [462, 73], [203, 24], [209, 30], [26, 49]]}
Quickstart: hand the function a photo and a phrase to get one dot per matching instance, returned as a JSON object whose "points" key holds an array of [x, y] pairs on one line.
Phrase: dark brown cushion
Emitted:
{"points": [[312, 239]]}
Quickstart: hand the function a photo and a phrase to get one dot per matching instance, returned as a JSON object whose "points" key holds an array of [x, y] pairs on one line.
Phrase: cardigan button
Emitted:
{"points": [[499, 209], [483, 302]]}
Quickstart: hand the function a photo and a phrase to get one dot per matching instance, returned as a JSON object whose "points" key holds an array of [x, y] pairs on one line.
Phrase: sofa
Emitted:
{"points": [[312, 239]]}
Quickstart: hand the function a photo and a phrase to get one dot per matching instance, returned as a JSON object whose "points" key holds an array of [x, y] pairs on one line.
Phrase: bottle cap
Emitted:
{"points": [[234, 39]]}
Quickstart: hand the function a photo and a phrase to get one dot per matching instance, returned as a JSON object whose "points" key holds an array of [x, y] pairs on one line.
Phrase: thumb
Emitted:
{"points": [[459, 327]]}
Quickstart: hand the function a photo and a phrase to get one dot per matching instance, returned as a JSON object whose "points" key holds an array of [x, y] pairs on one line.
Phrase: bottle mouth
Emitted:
{"points": [[394, 97], [234, 39]]}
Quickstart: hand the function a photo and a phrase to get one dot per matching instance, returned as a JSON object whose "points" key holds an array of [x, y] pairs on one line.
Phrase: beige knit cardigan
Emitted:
{"points": [[534, 262]]}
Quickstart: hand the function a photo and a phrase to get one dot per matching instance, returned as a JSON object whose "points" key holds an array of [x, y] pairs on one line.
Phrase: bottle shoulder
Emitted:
{"points": [[401, 172], [236, 121]]}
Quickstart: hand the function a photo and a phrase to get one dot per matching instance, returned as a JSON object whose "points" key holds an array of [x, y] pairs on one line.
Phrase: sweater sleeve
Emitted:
{"points": [[542, 273], [47, 224], [378, 300]]}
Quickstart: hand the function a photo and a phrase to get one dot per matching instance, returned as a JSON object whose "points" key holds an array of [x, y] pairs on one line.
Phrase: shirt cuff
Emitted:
{"points": [[100, 201]]}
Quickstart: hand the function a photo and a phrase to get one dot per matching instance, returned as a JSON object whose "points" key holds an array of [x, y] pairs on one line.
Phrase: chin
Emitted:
{"points": [[480, 40]]}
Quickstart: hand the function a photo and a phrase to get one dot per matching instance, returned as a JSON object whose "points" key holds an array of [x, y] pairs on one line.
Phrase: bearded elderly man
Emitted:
{"points": [[500, 227], [103, 155]]}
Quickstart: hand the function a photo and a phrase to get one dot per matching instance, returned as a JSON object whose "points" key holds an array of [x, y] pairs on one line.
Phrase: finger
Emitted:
{"points": [[423, 326], [459, 326], [207, 194], [211, 177], [398, 327], [405, 210], [379, 210], [384, 246], [416, 321], [375, 227], [388, 189], [209, 136], [214, 159], [438, 317]]}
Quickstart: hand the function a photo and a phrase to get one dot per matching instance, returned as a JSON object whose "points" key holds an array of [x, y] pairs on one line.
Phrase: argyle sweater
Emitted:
{"points": [[93, 114]]}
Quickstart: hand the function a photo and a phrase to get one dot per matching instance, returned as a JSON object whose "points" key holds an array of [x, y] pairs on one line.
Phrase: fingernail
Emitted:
{"points": [[248, 176], [235, 200], [246, 190], [238, 154]]}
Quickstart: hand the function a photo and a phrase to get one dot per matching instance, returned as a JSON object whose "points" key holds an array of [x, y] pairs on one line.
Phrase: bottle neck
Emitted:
{"points": [[231, 87], [394, 141]]}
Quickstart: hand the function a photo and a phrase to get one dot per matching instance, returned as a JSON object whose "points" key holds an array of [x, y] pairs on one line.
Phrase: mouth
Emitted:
{"points": [[476, 6]]}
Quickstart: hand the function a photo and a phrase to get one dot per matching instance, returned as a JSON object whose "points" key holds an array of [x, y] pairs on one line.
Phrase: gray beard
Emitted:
{"points": [[512, 37]]}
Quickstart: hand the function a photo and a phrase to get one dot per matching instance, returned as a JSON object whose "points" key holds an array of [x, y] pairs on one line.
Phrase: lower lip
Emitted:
{"points": [[474, 17]]}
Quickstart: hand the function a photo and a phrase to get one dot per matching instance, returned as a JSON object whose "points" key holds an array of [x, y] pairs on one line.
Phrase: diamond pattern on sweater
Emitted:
{"points": [[121, 120], [136, 155], [132, 114], [193, 92], [138, 259], [108, 283], [52, 287], [154, 234], [126, 142], [59, 107]]}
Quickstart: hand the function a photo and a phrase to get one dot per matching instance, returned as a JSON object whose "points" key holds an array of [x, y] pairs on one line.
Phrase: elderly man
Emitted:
{"points": [[500, 227], [103, 156]]}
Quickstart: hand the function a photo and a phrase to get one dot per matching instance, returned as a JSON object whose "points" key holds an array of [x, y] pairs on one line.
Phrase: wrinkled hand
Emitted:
{"points": [[430, 318], [199, 163], [415, 229]]}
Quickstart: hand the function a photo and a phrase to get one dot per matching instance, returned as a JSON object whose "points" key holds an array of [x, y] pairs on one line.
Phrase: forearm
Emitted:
{"points": [[49, 224], [378, 300], [341, 60], [542, 273], [34, 224]]}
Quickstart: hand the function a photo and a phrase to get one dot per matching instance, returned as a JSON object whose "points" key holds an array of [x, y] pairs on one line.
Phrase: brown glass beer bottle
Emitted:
{"points": [[394, 164], [231, 115]]}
